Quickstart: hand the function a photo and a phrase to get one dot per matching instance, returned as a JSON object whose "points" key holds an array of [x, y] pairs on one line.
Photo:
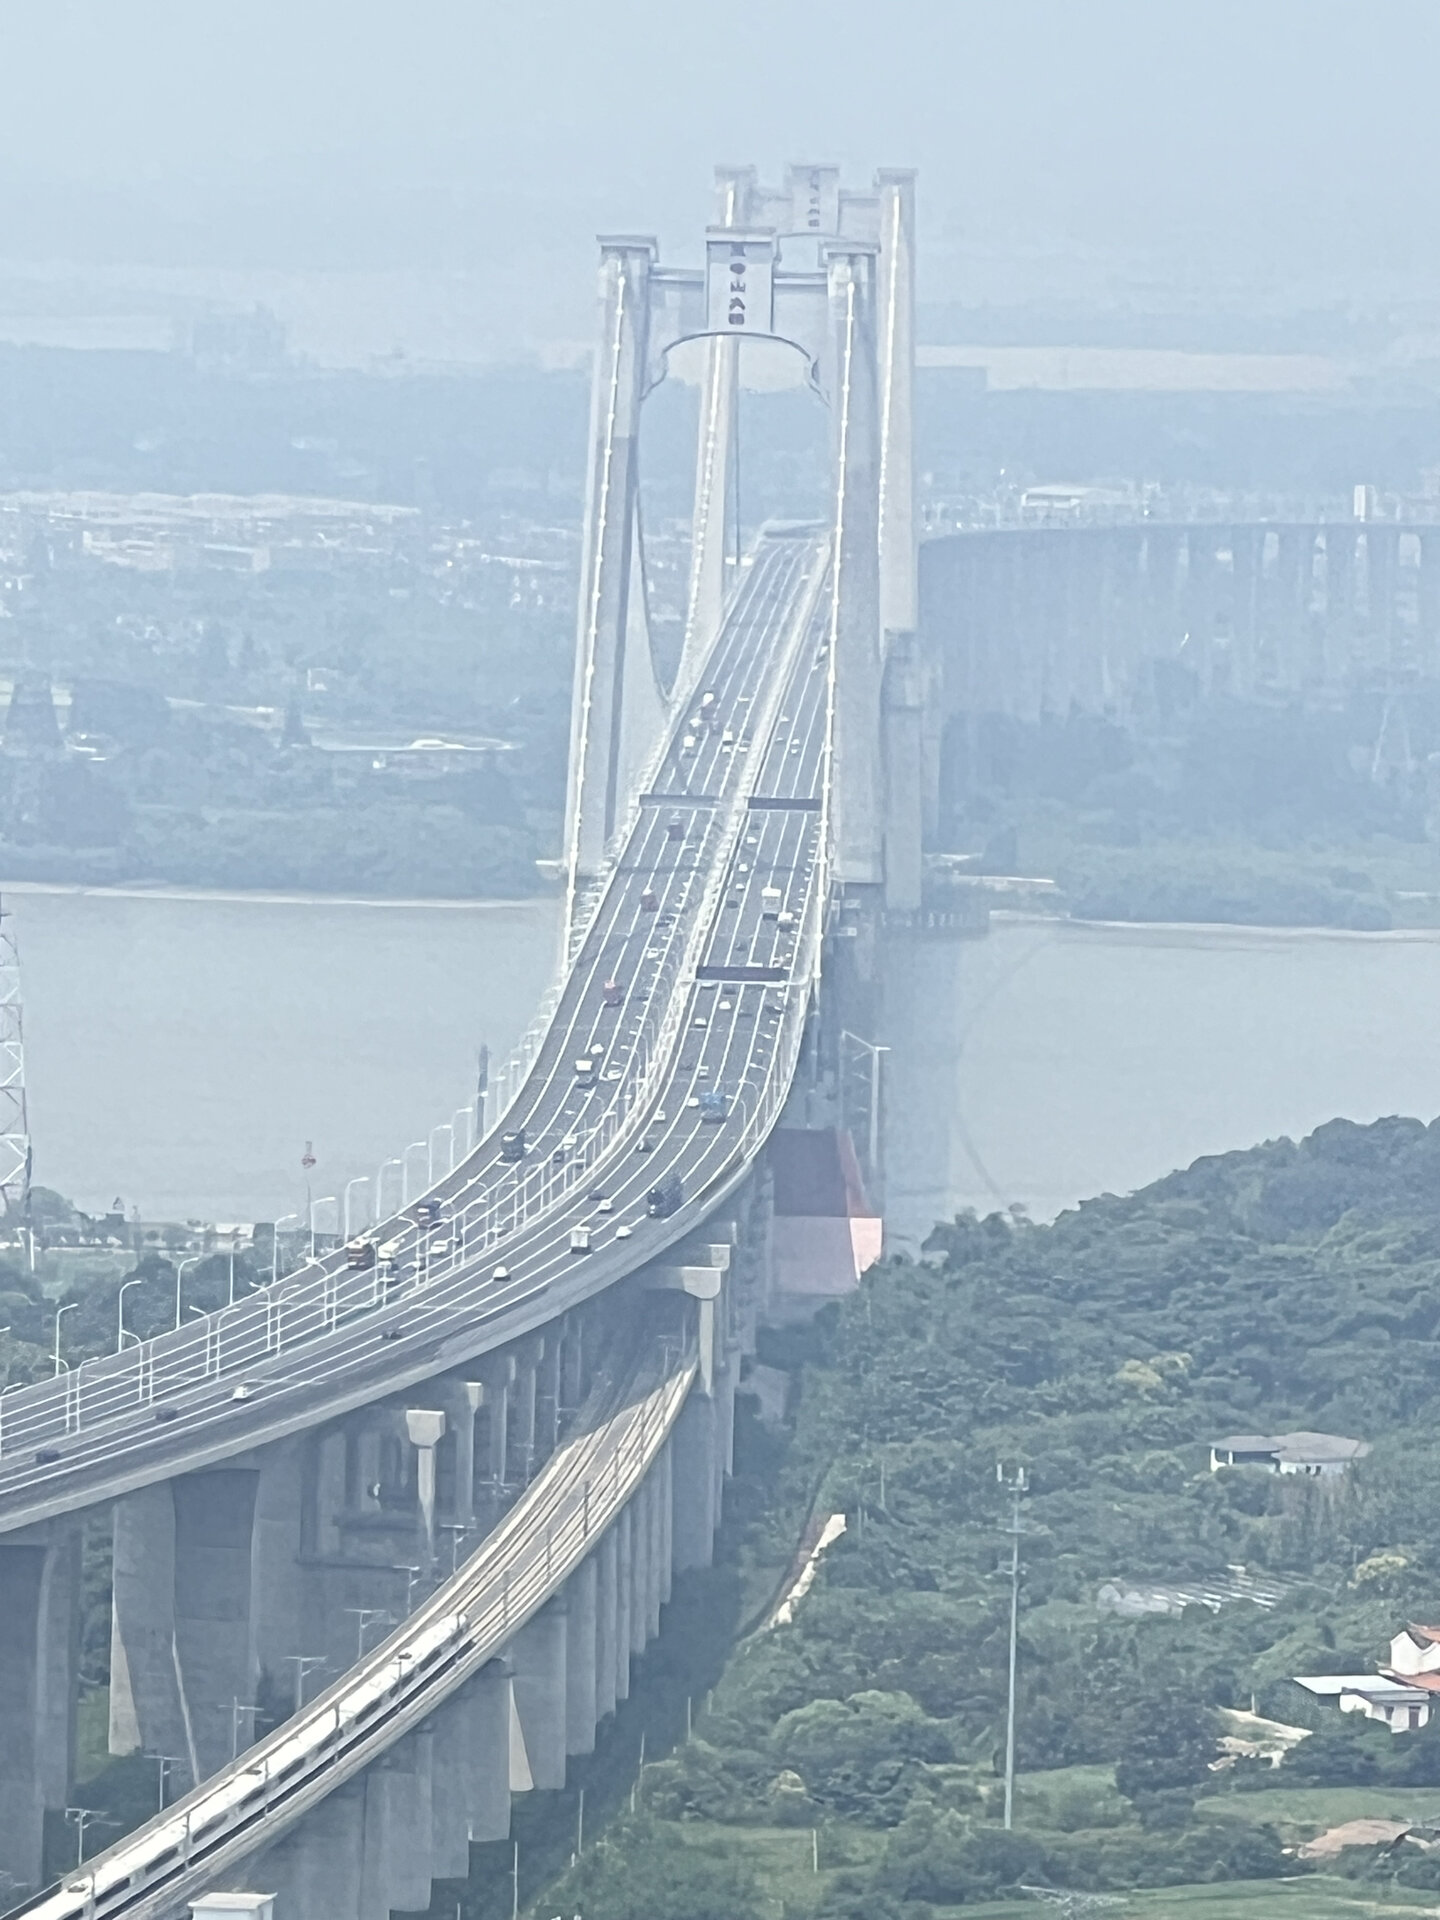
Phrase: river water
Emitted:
{"points": [[182, 1048], [1055, 1060]]}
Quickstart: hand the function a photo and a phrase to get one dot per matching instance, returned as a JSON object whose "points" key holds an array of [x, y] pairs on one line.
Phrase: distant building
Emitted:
{"points": [[1316, 1454], [1415, 1650], [1402, 1705]]}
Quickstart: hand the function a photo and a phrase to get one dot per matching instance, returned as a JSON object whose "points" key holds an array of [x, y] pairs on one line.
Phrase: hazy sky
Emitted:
{"points": [[1250, 141]]}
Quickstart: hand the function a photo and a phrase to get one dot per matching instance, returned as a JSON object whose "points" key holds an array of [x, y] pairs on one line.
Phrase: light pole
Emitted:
{"points": [[275, 1245], [121, 1330], [179, 1276], [1018, 1485], [360, 1180], [415, 1146], [328, 1200], [60, 1313], [380, 1186]]}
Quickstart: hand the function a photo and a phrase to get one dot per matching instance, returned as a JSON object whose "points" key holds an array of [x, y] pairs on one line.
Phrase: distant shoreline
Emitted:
{"points": [[253, 897], [1274, 930]]}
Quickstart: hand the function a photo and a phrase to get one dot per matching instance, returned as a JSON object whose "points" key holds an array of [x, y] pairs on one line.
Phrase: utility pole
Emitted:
{"points": [[1018, 1485]]}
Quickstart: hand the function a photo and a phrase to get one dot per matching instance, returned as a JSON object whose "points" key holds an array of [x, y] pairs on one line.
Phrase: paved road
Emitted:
{"points": [[500, 1265]]}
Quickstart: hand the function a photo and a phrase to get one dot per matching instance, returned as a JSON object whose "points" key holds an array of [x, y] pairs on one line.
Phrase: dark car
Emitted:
{"points": [[666, 1198]]}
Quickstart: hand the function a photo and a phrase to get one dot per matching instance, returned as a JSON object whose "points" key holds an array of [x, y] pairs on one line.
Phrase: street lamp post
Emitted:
{"points": [[415, 1146], [380, 1186], [872, 1155], [360, 1180], [179, 1276], [60, 1313], [275, 1245], [1018, 1485], [121, 1330]]}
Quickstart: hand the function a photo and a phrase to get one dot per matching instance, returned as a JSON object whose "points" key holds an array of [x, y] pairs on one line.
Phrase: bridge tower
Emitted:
{"points": [[830, 273]]}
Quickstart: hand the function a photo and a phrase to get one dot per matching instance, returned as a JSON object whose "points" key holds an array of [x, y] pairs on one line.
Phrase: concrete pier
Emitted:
{"points": [[624, 1597], [693, 1488], [606, 1558], [486, 1702], [537, 1654], [39, 1620], [580, 1662]]}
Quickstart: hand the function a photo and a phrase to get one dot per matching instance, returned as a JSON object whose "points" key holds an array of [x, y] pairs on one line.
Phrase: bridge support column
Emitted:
{"points": [[693, 1484], [279, 1626], [638, 1510], [624, 1600], [462, 1403], [487, 1705], [317, 1869], [147, 1707], [214, 1532], [498, 1376], [395, 1850], [667, 1521], [538, 1655], [572, 1364], [606, 1559], [580, 1644], [39, 1595], [520, 1459], [452, 1729], [547, 1395]]}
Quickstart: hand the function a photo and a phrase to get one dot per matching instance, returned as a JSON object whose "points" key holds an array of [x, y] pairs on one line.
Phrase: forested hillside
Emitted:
{"points": [[1284, 1288]]}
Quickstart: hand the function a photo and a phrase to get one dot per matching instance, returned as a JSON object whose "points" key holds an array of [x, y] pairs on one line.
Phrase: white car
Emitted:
{"points": [[500, 1273], [604, 1206], [623, 1232]]}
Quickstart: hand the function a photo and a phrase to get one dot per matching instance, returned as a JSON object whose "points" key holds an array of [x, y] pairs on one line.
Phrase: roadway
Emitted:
{"points": [[328, 1340]]}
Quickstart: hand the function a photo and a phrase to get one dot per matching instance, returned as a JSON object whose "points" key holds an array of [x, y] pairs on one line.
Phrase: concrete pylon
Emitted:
{"points": [[624, 1597], [537, 1654], [857, 829], [316, 1870], [452, 1728], [214, 1526], [395, 1848], [899, 586], [279, 1626], [489, 1709], [182, 1663], [639, 1512], [581, 1623], [606, 675], [606, 1558], [39, 1594], [693, 1483]]}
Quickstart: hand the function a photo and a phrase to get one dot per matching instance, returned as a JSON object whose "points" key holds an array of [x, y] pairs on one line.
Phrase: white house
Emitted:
{"points": [[1403, 1706], [1415, 1650], [1315, 1454]]}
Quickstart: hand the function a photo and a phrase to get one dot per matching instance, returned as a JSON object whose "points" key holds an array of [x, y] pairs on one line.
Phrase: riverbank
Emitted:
{"points": [[1363, 883]]}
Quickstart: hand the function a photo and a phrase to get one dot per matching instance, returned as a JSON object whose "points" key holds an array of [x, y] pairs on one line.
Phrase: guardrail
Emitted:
{"points": [[465, 1623]]}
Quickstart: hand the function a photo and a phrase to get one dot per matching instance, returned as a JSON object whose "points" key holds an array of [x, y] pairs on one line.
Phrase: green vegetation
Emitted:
{"points": [[1228, 813], [1288, 1287]]}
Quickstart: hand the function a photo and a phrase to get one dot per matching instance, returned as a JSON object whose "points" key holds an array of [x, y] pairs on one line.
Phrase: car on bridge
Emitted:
{"points": [[667, 1197]]}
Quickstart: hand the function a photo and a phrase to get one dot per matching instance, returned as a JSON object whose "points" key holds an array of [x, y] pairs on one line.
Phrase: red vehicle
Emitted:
{"points": [[613, 993]]}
